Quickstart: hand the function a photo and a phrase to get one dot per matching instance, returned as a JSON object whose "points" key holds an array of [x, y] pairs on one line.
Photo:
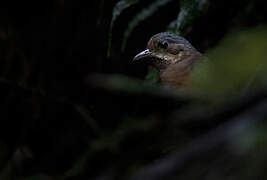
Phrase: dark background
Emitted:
{"points": [[61, 116]]}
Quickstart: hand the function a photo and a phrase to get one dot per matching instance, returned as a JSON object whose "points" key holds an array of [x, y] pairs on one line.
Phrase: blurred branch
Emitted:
{"points": [[211, 115], [85, 114], [208, 143], [121, 83]]}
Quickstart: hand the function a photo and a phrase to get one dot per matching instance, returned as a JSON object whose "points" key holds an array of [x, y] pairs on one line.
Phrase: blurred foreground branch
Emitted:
{"points": [[208, 145]]}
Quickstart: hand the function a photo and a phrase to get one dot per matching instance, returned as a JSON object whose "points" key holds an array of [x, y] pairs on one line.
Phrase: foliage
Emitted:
{"points": [[69, 111], [118, 8], [236, 66], [190, 10], [144, 14]]}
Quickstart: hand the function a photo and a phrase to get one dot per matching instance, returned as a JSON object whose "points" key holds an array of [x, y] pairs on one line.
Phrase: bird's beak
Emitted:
{"points": [[141, 55]]}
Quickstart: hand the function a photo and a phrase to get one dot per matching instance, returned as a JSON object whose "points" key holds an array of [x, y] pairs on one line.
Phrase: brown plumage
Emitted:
{"points": [[173, 56]]}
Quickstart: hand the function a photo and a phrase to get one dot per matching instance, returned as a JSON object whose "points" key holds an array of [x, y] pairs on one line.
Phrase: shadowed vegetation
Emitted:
{"points": [[74, 106]]}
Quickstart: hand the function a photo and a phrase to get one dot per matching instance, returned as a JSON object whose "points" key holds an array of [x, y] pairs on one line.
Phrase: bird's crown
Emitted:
{"points": [[166, 48]]}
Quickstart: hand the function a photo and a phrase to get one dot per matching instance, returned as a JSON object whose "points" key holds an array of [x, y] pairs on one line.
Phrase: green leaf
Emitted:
{"points": [[118, 8], [78, 167], [152, 76], [190, 10], [141, 16], [234, 67]]}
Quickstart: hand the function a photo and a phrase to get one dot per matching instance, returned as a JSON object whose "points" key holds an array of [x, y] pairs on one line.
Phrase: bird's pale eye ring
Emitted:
{"points": [[163, 45]]}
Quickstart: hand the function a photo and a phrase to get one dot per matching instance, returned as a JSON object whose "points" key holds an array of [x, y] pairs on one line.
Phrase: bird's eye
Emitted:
{"points": [[163, 45]]}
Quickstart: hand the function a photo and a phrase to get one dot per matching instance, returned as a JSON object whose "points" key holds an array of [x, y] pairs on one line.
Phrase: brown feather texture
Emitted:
{"points": [[173, 56]]}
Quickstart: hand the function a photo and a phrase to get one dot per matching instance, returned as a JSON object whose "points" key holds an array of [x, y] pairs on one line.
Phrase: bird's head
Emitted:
{"points": [[164, 49]]}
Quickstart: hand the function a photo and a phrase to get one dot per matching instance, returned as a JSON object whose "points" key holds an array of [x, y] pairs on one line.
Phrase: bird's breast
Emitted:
{"points": [[178, 75]]}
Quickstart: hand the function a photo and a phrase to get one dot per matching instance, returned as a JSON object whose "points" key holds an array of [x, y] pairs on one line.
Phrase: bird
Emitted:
{"points": [[173, 56]]}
